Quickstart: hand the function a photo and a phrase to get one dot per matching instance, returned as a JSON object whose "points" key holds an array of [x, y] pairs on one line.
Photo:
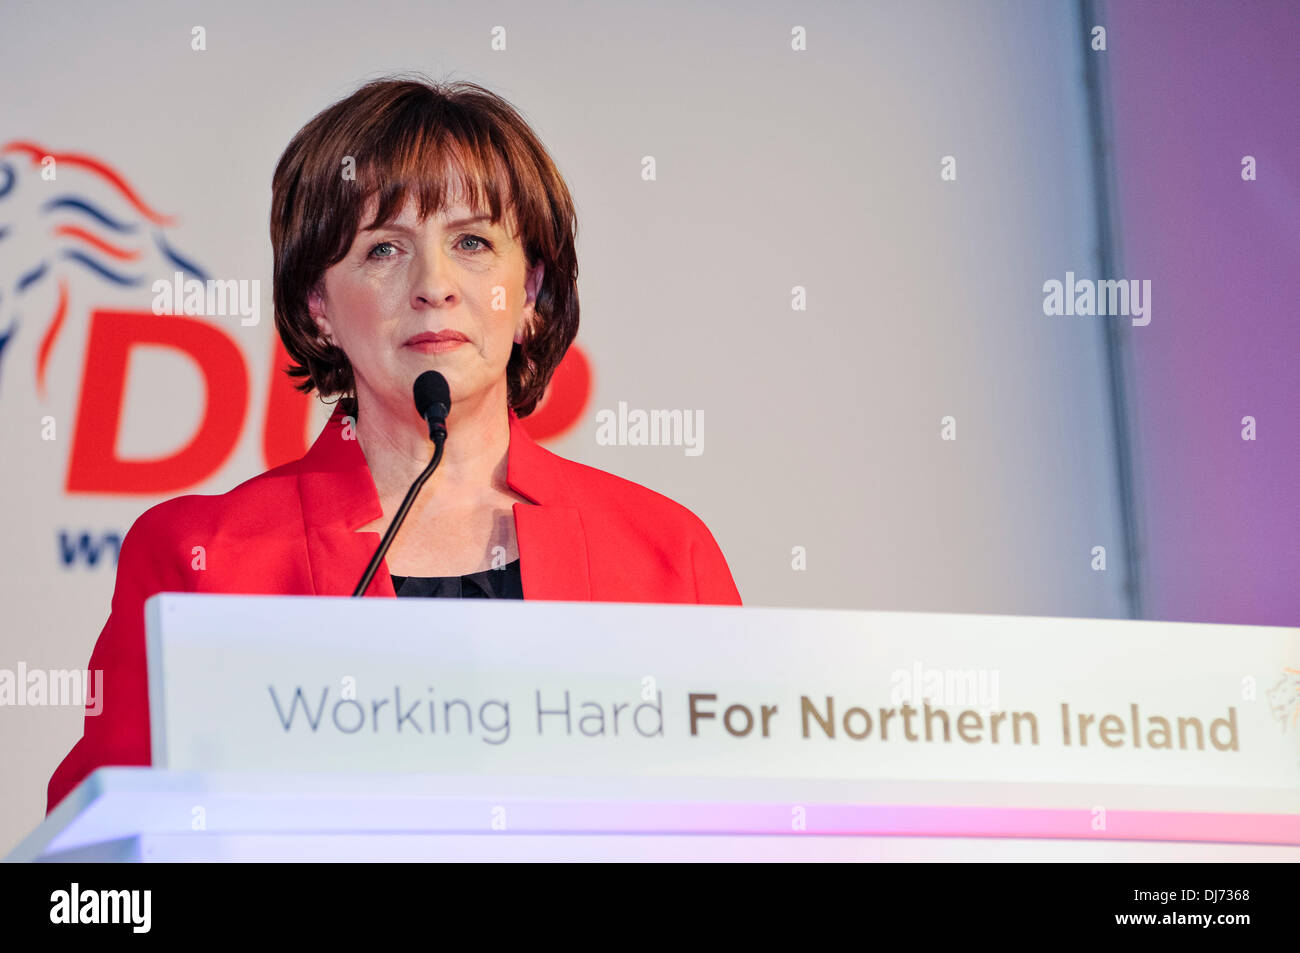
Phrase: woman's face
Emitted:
{"points": [[450, 294]]}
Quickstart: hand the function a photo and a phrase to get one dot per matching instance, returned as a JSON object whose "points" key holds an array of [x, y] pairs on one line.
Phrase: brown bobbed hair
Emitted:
{"points": [[437, 140]]}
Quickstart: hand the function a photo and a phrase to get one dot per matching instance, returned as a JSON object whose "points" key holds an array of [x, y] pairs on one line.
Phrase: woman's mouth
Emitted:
{"points": [[435, 342]]}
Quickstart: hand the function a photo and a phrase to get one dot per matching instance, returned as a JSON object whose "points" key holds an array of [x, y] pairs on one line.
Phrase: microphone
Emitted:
{"points": [[433, 403]]}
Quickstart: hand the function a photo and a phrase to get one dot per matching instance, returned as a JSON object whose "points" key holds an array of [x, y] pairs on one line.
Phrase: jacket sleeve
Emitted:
{"points": [[119, 733], [713, 582]]}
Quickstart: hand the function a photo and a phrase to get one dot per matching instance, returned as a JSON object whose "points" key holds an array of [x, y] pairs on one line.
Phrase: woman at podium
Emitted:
{"points": [[415, 227]]}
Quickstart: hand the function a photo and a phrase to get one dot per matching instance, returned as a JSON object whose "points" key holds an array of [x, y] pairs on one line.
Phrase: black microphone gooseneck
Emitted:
{"points": [[433, 401]]}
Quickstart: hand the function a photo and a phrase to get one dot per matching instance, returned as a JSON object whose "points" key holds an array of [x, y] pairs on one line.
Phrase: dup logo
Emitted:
{"points": [[72, 229]]}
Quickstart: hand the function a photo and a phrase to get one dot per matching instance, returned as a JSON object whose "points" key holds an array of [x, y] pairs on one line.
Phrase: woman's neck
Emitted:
{"points": [[397, 448]]}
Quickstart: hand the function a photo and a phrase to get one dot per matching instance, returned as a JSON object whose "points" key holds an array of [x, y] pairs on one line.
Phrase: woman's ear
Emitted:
{"points": [[316, 308], [532, 285]]}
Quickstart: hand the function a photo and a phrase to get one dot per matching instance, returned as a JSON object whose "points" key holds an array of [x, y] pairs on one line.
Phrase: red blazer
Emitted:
{"points": [[587, 535]]}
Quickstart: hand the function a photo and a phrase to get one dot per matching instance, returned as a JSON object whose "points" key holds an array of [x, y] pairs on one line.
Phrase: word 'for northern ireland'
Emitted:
{"points": [[819, 719]]}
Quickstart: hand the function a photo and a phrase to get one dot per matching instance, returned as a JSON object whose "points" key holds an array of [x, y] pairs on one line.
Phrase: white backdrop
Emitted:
{"points": [[776, 168]]}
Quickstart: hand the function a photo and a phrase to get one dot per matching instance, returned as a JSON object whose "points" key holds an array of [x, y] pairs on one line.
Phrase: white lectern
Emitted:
{"points": [[297, 728]]}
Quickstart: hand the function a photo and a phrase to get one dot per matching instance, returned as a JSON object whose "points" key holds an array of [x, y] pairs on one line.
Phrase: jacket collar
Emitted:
{"points": [[338, 495]]}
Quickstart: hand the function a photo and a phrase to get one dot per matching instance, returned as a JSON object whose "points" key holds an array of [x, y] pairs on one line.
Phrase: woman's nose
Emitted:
{"points": [[432, 281]]}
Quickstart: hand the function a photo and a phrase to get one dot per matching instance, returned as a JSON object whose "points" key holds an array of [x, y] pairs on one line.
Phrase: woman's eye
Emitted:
{"points": [[388, 245], [483, 242]]}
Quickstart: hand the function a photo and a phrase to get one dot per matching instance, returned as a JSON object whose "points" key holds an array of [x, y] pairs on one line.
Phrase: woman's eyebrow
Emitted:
{"points": [[407, 230], [474, 220]]}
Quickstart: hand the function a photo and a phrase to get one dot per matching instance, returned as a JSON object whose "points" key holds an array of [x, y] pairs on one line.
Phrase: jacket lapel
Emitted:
{"points": [[338, 495], [553, 559], [552, 553]]}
